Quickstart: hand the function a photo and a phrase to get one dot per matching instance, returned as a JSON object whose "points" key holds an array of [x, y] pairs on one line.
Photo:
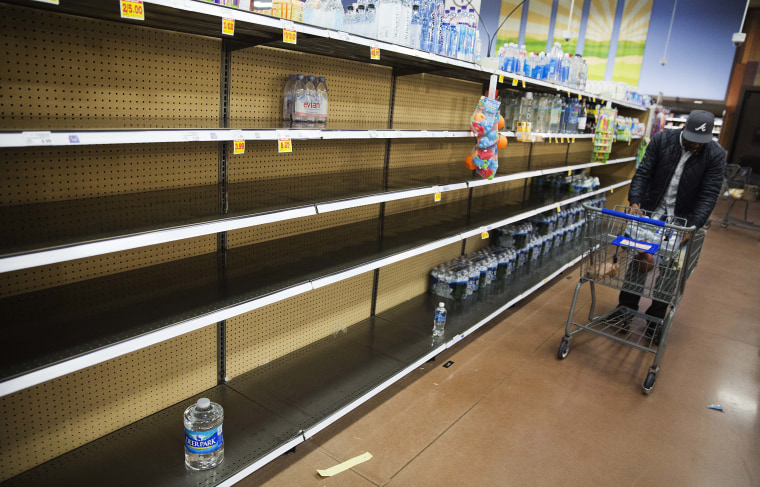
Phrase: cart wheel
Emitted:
{"points": [[649, 383], [564, 349], [707, 225], [724, 225]]}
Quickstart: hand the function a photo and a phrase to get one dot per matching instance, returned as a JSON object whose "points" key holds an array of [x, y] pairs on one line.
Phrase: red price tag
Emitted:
{"points": [[284, 145], [289, 36], [239, 147], [132, 9], [228, 27], [374, 53]]}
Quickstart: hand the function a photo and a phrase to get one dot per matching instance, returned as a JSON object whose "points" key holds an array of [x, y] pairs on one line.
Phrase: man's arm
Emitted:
{"points": [[643, 177], [709, 191]]}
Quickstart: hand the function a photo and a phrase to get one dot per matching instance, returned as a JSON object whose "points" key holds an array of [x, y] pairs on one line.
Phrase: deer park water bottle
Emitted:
{"points": [[439, 322], [204, 445]]}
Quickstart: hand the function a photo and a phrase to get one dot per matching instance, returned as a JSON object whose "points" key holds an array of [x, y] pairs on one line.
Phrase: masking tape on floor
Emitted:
{"points": [[345, 465]]}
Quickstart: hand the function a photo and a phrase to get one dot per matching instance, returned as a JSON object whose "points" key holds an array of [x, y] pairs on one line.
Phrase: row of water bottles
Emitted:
{"points": [[452, 32], [324, 13], [546, 113], [555, 66], [305, 100]]}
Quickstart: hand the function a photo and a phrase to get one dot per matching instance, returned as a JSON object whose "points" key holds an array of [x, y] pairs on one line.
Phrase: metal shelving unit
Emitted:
{"points": [[237, 237]]}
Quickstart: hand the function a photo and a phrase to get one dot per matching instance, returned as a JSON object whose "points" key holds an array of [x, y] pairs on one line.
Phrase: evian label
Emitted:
{"points": [[202, 442], [307, 106]]}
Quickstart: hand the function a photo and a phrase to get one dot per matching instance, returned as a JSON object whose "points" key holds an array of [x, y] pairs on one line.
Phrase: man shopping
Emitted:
{"points": [[680, 176]]}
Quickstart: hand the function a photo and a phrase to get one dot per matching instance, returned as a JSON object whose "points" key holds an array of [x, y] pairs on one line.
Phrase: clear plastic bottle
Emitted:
{"points": [[312, 103], [370, 27], [288, 99], [204, 443], [542, 115], [301, 101], [473, 27], [526, 108], [322, 97], [348, 19], [336, 7], [360, 21], [444, 34], [415, 29], [439, 320], [555, 114], [582, 116], [386, 20]]}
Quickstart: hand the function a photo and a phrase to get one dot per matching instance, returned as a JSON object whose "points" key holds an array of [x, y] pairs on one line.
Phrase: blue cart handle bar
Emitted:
{"points": [[642, 219], [637, 218]]}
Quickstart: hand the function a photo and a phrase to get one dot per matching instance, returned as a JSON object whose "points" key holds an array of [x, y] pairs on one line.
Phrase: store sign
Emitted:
{"points": [[132, 9], [239, 147]]}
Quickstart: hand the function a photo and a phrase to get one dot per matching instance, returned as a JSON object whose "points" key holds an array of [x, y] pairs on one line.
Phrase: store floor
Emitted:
{"points": [[508, 413]]}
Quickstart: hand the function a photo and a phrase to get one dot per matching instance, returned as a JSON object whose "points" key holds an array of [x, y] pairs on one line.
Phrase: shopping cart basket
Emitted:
{"points": [[626, 249], [736, 188]]}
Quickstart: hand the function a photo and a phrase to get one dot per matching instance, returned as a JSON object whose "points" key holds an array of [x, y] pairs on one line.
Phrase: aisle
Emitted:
{"points": [[507, 412]]}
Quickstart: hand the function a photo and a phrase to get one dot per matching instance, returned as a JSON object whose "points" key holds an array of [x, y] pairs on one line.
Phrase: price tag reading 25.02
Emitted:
{"points": [[374, 53], [132, 9]]}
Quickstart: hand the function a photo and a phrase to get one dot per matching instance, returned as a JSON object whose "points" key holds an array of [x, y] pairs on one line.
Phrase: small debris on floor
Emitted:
{"points": [[342, 467], [716, 407], [448, 364]]}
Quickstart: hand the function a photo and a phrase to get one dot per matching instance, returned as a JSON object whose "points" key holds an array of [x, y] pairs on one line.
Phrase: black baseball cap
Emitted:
{"points": [[699, 127]]}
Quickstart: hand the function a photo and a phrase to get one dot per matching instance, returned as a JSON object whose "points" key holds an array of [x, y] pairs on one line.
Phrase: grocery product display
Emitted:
{"points": [[515, 246], [199, 295], [305, 101], [556, 66]]}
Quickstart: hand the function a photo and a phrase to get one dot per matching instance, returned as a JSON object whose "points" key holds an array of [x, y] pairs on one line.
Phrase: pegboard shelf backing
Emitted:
{"points": [[429, 102], [67, 72], [268, 333], [358, 92]]}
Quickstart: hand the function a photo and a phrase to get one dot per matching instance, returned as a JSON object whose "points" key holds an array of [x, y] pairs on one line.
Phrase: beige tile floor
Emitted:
{"points": [[508, 413]]}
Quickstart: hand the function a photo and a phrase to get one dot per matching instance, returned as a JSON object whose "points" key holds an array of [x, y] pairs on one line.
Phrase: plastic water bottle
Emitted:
{"points": [[348, 20], [336, 7], [555, 114], [204, 444], [439, 322], [322, 97], [565, 69], [370, 28], [288, 99], [473, 24], [443, 33], [415, 29], [462, 35], [360, 21], [301, 100]]}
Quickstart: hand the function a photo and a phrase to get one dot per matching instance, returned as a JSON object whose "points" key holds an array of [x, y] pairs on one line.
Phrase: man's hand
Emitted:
{"points": [[636, 209], [686, 238]]}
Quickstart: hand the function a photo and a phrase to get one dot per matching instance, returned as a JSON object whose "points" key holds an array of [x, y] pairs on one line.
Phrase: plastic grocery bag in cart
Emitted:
{"points": [[645, 236]]}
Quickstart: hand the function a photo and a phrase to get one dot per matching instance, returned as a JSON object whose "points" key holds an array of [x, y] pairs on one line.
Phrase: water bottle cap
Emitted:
{"points": [[203, 404], [310, 78], [299, 76], [291, 76], [321, 79], [441, 304], [414, 7]]}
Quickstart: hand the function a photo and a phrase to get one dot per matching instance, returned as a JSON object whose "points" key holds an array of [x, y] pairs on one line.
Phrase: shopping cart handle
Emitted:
{"points": [[637, 218]]}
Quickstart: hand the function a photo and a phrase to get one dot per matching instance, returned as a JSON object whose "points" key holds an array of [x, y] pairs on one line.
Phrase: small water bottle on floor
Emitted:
{"points": [[204, 445], [439, 322]]}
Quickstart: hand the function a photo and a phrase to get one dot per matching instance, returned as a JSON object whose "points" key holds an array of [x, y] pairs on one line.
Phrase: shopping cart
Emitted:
{"points": [[628, 250], [737, 187]]}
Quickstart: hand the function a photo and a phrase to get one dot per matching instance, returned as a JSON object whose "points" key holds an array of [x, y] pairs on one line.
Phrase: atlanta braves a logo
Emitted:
{"points": [[701, 128]]}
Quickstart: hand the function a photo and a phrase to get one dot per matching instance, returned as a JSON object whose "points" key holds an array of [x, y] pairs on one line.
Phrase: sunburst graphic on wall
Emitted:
{"points": [[631, 41], [601, 19]]}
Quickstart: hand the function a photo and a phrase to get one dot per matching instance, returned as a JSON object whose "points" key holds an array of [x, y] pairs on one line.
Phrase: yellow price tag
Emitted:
{"points": [[514, 82], [629, 141], [289, 36], [562, 139], [558, 210], [501, 78], [132, 9], [594, 99], [555, 140], [523, 83], [374, 53], [239, 147], [580, 97], [573, 140], [570, 173], [568, 94], [284, 145], [612, 190], [484, 235], [228, 27], [437, 197]]}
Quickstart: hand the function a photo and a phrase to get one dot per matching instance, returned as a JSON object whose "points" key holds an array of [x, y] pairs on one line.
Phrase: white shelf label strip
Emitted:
{"points": [[324, 281], [276, 453], [128, 346], [64, 254]]}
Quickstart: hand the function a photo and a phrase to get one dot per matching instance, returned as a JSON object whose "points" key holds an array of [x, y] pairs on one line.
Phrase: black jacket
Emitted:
{"points": [[700, 183]]}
